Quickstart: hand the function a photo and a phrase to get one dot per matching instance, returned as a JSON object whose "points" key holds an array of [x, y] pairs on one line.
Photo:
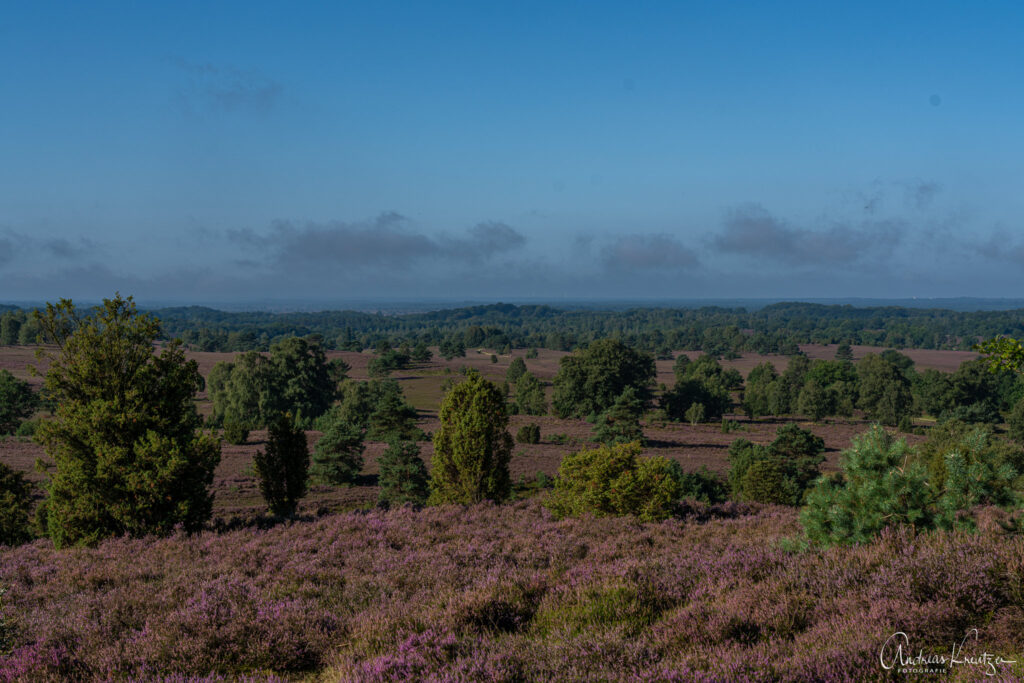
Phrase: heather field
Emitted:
{"points": [[507, 593]]}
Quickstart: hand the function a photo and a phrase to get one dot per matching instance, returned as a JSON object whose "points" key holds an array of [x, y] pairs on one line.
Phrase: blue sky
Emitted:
{"points": [[253, 151]]}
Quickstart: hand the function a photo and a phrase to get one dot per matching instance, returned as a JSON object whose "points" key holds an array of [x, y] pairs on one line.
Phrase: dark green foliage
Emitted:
{"points": [[15, 503], [532, 353], [125, 436], [793, 457], [696, 413], [17, 402], [27, 429], [338, 455], [392, 416], [680, 366], [452, 347], [814, 401], [1015, 422], [884, 390], [472, 447], [295, 378], [621, 422], [612, 480], [755, 395], [403, 476], [283, 467], [588, 382], [529, 433], [702, 485], [530, 399], [978, 446], [844, 352], [387, 362], [830, 388], [421, 354], [971, 394], [516, 369], [235, 433]]}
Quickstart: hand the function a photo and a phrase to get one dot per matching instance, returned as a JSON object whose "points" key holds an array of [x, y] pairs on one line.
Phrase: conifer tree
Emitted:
{"points": [[472, 447], [621, 422], [125, 436], [338, 455], [403, 476], [530, 399], [283, 468]]}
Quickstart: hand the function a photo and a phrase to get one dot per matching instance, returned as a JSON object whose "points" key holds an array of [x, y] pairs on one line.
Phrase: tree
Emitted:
{"points": [[125, 435], [814, 401], [844, 352], [403, 476], [516, 369], [755, 395], [530, 399], [589, 381], [283, 468], [17, 402], [528, 433], [793, 459], [884, 390], [695, 414], [15, 501], [392, 416], [302, 379], [338, 455], [621, 422], [472, 447]]}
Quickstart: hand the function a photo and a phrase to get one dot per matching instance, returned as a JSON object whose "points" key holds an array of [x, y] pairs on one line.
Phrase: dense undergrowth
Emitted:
{"points": [[509, 593]]}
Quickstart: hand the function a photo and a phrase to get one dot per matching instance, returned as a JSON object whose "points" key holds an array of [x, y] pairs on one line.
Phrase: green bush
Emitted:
{"points": [[621, 422], [612, 480], [528, 434], [702, 485], [15, 502], [17, 402], [795, 455], [235, 433], [283, 468], [403, 476], [27, 429], [338, 455], [765, 481]]}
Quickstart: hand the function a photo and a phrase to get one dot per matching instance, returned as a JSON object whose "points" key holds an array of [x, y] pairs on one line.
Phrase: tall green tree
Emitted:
{"points": [[403, 476], [338, 455], [516, 369], [472, 447], [530, 399], [283, 467], [621, 422], [884, 390], [15, 503], [755, 394], [125, 435]]}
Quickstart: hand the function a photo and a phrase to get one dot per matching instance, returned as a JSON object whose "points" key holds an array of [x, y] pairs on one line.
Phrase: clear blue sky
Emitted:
{"points": [[252, 151]]}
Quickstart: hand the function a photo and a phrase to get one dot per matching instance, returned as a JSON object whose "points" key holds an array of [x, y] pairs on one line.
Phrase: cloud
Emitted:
{"points": [[920, 195], [14, 243], [656, 251], [387, 241], [228, 89], [64, 248], [6, 251], [750, 230]]}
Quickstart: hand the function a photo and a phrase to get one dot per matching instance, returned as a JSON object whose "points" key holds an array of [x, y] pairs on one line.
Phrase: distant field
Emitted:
{"points": [[237, 494]]}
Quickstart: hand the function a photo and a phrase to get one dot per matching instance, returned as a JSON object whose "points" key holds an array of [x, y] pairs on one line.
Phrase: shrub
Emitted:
{"points": [[730, 426], [530, 399], [528, 434], [532, 353], [235, 432], [15, 501], [283, 468], [612, 480], [702, 485], [27, 429], [794, 457], [494, 359], [403, 476], [1015, 422], [472, 447], [765, 481], [338, 455]]}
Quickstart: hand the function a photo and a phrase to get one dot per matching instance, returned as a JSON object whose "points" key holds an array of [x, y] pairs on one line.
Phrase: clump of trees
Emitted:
{"points": [[703, 382], [125, 437], [295, 378], [778, 473], [589, 381], [472, 447]]}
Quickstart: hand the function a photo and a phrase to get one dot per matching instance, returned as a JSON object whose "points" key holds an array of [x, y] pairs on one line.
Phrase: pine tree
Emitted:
{"points": [[338, 455], [403, 476], [530, 399], [15, 501], [125, 436], [472, 447], [283, 468], [516, 369], [621, 422]]}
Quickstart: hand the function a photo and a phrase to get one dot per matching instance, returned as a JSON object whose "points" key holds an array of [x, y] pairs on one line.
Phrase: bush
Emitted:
{"points": [[27, 429], [612, 480], [793, 457], [530, 399], [702, 485], [765, 481], [1015, 422], [403, 476], [528, 434], [338, 456], [235, 433], [532, 353], [15, 502], [472, 447], [283, 468]]}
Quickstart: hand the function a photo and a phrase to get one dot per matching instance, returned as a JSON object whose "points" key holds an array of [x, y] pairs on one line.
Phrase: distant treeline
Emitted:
{"points": [[777, 328]]}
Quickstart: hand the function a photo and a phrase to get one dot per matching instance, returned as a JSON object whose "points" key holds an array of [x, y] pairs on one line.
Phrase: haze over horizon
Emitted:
{"points": [[535, 151]]}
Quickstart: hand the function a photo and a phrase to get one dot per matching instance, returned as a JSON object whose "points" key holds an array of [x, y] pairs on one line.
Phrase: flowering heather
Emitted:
{"points": [[508, 593]]}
